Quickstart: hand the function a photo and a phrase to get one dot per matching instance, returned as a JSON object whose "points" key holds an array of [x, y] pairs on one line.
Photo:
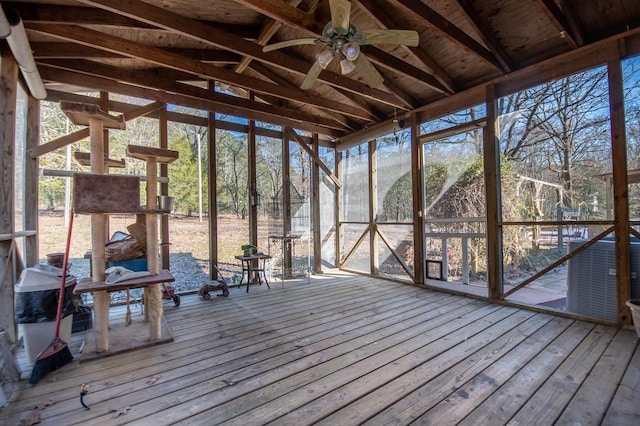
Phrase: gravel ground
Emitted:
{"points": [[190, 274]]}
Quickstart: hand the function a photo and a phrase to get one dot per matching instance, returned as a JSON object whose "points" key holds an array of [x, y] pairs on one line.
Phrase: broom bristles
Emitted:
{"points": [[54, 356]]}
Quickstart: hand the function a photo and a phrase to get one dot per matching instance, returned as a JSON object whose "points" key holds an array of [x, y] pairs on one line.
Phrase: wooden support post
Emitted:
{"points": [[492, 197], [338, 213], [417, 171], [213, 194], [620, 187], [374, 263], [287, 258], [315, 210], [252, 182], [164, 190]]}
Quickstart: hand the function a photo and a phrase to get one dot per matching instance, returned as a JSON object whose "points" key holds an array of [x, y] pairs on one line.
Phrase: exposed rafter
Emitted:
{"points": [[193, 28], [176, 45], [452, 32], [178, 62], [376, 11], [489, 39], [225, 105], [558, 18], [279, 10]]}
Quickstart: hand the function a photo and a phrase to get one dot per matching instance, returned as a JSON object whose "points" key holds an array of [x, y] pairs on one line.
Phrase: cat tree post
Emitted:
{"points": [[153, 293], [97, 120]]}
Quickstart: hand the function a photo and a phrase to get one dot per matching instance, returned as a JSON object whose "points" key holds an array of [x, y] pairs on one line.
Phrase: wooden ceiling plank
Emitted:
{"points": [[228, 40], [161, 57], [452, 32], [283, 12], [178, 93], [467, 7], [560, 21]]}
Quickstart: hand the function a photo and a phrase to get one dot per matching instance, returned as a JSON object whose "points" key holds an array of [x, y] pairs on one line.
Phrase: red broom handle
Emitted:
{"points": [[63, 283]]}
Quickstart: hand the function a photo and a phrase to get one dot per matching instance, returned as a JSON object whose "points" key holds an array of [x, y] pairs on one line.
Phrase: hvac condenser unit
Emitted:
{"points": [[591, 279]]}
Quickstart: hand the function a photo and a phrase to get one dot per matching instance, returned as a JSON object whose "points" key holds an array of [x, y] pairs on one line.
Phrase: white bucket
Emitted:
{"points": [[634, 305]]}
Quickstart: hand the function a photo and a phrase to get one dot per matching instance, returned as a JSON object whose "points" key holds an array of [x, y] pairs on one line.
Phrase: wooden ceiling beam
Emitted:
{"points": [[568, 11], [385, 60], [175, 117], [452, 32], [273, 9], [285, 13], [376, 12], [468, 9], [272, 12], [560, 21], [156, 82], [72, 50], [52, 14], [46, 13], [171, 60], [262, 70], [228, 40], [44, 50]]}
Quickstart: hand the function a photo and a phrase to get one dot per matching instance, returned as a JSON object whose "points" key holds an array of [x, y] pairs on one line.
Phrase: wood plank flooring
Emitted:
{"points": [[343, 349]]}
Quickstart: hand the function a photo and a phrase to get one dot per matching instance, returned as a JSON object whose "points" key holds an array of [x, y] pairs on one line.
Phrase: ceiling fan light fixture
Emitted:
{"points": [[351, 50], [324, 58], [346, 65]]}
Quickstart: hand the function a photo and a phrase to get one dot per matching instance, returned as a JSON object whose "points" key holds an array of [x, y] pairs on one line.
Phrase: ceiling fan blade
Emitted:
{"points": [[340, 10], [312, 76], [288, 43], [366, 69], [404, 37]]}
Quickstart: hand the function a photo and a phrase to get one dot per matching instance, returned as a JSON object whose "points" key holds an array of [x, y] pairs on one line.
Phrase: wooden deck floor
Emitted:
{"points": [[345, 350]]}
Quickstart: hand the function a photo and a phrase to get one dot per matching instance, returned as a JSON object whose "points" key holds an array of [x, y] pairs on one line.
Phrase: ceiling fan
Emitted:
{"points": [[343, 40]]}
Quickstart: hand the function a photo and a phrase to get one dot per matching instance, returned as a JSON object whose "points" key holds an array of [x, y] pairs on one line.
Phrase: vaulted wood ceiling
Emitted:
{"points": [[168, 50]]}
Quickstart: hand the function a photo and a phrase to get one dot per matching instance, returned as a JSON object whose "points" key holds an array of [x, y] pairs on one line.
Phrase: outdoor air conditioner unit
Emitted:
{"points": [[591, 279]]}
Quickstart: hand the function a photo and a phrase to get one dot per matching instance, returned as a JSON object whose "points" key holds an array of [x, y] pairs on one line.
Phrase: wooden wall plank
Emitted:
{"points": [[31, 183], [8, 91]]}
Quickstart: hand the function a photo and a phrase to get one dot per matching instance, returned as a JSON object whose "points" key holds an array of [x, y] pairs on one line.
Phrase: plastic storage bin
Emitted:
{"points": [[136, 265], [36, 294]]}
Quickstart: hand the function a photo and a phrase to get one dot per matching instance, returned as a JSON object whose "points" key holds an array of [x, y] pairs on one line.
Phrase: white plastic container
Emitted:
{"points": [[38, 335]]}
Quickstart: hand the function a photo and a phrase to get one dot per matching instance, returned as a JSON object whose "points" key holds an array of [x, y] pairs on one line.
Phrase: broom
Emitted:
{"points": [[57, 354]]}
